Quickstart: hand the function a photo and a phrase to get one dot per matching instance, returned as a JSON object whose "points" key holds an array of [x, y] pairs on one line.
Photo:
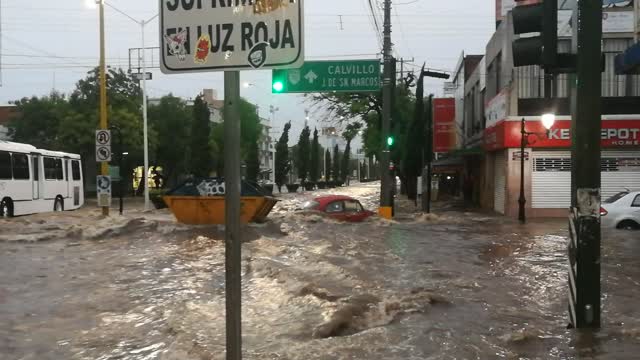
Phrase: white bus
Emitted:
{"points": [[36, 181]]}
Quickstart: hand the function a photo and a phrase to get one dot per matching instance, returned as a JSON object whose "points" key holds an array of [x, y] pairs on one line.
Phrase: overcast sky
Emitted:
{"points": [[47, 44]]}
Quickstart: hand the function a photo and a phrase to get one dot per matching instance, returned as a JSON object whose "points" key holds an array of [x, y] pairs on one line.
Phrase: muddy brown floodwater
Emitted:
{"points": [[451, 286]]}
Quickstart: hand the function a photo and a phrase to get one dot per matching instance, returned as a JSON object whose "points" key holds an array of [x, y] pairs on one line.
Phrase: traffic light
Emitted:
{"points": [[278, 82], [277, 86], [390, 140], [541, 49]]}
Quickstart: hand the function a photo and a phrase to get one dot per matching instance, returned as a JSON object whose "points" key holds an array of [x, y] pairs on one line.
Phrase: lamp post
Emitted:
{"points": [[103, 90], [547, 121]]}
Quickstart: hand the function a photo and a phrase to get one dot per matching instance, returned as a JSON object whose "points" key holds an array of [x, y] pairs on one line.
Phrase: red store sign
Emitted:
{"points": [[506, 134]]}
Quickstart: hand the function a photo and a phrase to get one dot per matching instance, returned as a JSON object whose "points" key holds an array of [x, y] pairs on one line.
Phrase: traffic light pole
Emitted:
{"points": [[386, 195], [586, 116]]}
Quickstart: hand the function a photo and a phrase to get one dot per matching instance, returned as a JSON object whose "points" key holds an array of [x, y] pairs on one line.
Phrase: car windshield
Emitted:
{"points": [[616, 197], [310, 205]]}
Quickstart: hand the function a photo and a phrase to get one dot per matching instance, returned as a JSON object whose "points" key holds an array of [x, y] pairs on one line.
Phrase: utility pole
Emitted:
{"points": [[427, 171], [386, 201], [104, 124], [584, 249]]}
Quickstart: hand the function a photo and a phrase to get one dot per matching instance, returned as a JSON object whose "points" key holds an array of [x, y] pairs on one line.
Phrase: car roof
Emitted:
{"points": [[330, 198]]}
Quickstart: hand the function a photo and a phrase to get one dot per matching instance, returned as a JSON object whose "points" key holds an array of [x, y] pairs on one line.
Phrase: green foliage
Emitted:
{"points": [[39, 120], [171, 120], [303, 152], [253, 162], [201, 162], [327, 160], [349, 134], [122, 92], [282, 157], [336, 163], [250, 132], [316, 153]]}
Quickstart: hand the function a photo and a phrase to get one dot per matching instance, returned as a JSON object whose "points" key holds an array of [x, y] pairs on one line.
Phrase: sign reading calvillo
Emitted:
{"points": [[224, 35]]}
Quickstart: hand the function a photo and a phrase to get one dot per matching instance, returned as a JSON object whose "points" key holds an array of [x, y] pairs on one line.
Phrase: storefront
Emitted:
{"points": [[548, 162]]}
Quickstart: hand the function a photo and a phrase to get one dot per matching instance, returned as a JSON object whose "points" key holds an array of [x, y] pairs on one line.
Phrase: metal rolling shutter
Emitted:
{"points": [[620, 170], [551, 182], [499, 183]]}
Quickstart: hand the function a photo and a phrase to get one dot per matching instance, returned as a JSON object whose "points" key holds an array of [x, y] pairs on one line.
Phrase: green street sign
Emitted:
{"points": [[114, 172], [328, 76]]}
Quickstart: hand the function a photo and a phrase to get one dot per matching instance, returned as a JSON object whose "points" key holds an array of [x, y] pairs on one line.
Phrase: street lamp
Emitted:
{"points": [[103, 92], [547, 121]]}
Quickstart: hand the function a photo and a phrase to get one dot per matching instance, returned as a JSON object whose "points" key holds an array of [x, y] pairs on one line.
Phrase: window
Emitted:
{"points": [[352, 206], [310, 205], [75, 170], [53, 169], [616, 197], [335, 207], [5, 166], [636, 201], [36, 167], [20, 166]]}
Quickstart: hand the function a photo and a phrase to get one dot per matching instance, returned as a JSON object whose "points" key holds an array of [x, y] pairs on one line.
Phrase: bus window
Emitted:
{"points": [[5, 166], [20, 166], [75, 169], [66, 170], [59, 172], [49, 168]]}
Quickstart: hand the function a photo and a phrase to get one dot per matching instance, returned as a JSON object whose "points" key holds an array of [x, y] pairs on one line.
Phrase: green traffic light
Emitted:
{"points": [[278, 86], [390, 141]]}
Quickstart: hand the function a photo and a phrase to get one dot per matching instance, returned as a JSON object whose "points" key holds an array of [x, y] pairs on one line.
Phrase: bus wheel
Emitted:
{"points": [[58, 205], [6, 208]]}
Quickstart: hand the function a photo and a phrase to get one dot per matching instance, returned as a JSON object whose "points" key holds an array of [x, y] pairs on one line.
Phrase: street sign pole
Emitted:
{"points": [[104, 166], [584, 249], [233, 237]]}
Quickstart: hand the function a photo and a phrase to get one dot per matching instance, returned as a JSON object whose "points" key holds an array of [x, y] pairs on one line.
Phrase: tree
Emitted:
{"points": [[201, 162], [328, 168], [38, 120], [253, 162], [412, 160], [171, 120], [250, 133], [70, 123], [282, 157], [316, 153], [349, 134], [303, 153], [336, 163]]}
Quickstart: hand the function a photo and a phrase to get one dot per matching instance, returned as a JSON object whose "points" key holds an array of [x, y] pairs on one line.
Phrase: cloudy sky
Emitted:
{"points": [[51, 44]]}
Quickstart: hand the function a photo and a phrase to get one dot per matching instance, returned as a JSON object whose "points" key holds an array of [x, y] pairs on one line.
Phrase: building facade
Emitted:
{"points": [[498, 96]]}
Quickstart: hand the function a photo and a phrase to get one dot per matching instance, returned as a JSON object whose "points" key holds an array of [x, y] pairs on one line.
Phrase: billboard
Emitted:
{"points": [[198, 36], [444, 125]]}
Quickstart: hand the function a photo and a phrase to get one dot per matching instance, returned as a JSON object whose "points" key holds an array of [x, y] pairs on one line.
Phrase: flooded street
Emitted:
{"points": [[450, 286]]}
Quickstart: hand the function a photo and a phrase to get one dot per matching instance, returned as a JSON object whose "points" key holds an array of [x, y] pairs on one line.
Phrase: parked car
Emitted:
{"points": [[343, 208], [622, 211]]}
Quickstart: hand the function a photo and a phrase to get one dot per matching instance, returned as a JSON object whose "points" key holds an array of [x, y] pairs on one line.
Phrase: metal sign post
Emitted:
{"points": [[233, 236], [252, 35]]}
